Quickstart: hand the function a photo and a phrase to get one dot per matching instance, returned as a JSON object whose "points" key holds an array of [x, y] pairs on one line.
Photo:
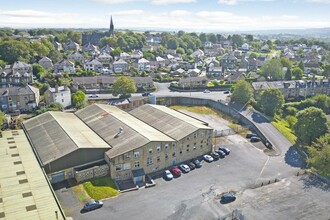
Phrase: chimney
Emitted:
{"points": [[56, 88]]}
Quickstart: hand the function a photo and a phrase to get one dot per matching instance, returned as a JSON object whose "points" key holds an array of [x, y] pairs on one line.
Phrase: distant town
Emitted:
{"points": [[132, 110]]}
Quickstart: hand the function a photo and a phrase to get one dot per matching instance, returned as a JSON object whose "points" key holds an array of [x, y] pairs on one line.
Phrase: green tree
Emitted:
{"points": [[242, 92], [203, 37], [172, 44], [249, 37], [297, 72], [116, 52], [39, 49], [286, 62], [288, 74], [301, 65], [311, 124], [319, 155], [37, 70], [270, 101], [326, 71], [78, 99], [14, 50], [272, 69], [212, 37], [180, 50], [253, 55], [238, 40], [123, 86], [2, 118]]}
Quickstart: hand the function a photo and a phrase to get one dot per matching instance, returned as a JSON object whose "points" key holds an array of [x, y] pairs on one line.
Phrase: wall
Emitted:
{"points": [[90, 173]]}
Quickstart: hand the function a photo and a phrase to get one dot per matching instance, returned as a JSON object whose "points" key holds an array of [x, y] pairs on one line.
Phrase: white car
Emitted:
{"points": [[185, 168], [207, 91], [207, 158], [93, 96], [168, 175]]}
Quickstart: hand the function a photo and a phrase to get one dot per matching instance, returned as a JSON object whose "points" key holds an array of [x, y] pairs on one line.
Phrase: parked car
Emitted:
{"points": [[197, 163], [168, 175], [185, 168], [255, 139], [226, 92], [176, 171], [228, 197], [191, 165], [225, 149], [215, 155], [251, 135], [95, 204], [93, 96], [208, 158], [221, 153], [207, 91], [145, 94]]}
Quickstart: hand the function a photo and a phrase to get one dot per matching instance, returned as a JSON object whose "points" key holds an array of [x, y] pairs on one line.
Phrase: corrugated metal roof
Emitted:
{"points": [[107, 121], [168, 121], [55, 134], [23, 186]]}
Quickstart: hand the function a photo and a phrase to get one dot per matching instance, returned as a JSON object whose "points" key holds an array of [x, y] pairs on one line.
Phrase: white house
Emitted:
{"points": [[143, 65], [60, 94], [93, 65]]}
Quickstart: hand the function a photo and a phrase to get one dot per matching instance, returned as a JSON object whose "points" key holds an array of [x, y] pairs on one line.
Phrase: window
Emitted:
{"points": [[202, 141], [187, 147], [137, 164], [202, 134], [201, 145], [180, 151], [166, 156], [150, 151], [158, 159], [149, 161], [173, 154], [136, 154], [126, 156], [195, 135], [194, 146], [62, 100], [118, 167], [173, 145], [158, 149], [166, 146], [188, 138]]}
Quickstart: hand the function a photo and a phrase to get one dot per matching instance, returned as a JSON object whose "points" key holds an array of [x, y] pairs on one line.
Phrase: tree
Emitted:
{"points": [[123, 86], [326, 71], [172, 44], [203, 37], [301, 65], [297, 72], [286, 62], [253, 55], [116, 52], [2, 118], [288, 74], [37, 70], [242, 92], [78, 99], [238, 40], [249, 37], [270, 101], [311, 124], [272, 69], [319, 155], [212, 37], [180, 50]]}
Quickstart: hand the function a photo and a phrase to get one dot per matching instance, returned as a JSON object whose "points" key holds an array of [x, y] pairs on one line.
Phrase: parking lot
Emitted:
{"points": [[196, 195]]}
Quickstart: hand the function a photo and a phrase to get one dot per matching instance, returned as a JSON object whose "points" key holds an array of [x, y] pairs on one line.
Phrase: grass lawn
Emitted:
{"points": [[100, 188], [283, 126], [80, 193]]}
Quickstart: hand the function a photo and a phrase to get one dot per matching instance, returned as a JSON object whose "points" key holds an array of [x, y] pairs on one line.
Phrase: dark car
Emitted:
{"points": [[93, 205], [176, 171], [191, 165], [145, 94], [255, 139], [228, 197], [197, 163], [215, 155], [251, 135], [221, 153], [225, 149], [226, 92]]}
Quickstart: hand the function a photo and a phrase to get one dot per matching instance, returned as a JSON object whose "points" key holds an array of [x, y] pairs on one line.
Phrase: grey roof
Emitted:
{"points": [[172, 123], [64, 62], [56, 134], [143, 60], [45, 59], [107, 121], [120, 61], [19, 64], [192, 79], [14, 91], [93, 62]]}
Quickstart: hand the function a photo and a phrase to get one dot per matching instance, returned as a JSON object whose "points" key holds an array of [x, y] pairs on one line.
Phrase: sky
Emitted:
{"points": [[193, 15]]}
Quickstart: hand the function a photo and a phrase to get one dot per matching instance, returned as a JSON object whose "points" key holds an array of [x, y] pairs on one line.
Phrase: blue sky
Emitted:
{"points": [[195, 15]]}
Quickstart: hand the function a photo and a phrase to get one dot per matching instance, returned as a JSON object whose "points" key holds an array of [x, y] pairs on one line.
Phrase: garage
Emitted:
{"points": [[58, 177]]}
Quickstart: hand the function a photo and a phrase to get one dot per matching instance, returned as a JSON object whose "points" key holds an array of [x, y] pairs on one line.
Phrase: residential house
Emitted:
{"points": [[120, 66], [153, 39], [91, 49], [93, 65], [208, 44], [76, 56], [143, 65], [104, 58], [193, 82], [234, 76], [125, 56], [265, 48], [60, 94], [130, 103], [197, 54], [64, 66], [245, 47], [16, 74], [72, 46], [22, 99], [178, 72], [170, 52], [193, 72], [45, 62], [147, 48], [106, 49], [261, 59], [214, 72], [58, 46], [228, 60], [136, 54]]}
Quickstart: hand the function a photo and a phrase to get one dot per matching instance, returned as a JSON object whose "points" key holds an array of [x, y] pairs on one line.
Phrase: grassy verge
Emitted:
{"points": [[283, 126], [80, 193], [101, 188]]}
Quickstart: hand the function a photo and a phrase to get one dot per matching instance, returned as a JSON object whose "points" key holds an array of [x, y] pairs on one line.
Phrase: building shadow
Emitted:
{"points": [[312, 181], [294, 158]]}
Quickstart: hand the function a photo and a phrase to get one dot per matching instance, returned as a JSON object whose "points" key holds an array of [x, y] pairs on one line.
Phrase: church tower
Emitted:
{"points": [[112, 28]]}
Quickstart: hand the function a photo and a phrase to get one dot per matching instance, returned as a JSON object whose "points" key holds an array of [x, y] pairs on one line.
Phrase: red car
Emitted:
{"points": [[176, 171]]}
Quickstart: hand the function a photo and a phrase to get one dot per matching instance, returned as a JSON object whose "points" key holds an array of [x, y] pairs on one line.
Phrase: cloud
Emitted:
{"points": [[112, 2], [179, 13], [167, 2], [235, 2], [128, 12], [320, 1], [27, 13]]}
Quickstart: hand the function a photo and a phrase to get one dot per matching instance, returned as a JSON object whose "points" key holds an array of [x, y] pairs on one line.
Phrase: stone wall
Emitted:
{"points": [[91, 173]]}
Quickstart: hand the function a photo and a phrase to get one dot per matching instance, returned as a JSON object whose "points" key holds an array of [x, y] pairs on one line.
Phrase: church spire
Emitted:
{"points": [[112, 27]]}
